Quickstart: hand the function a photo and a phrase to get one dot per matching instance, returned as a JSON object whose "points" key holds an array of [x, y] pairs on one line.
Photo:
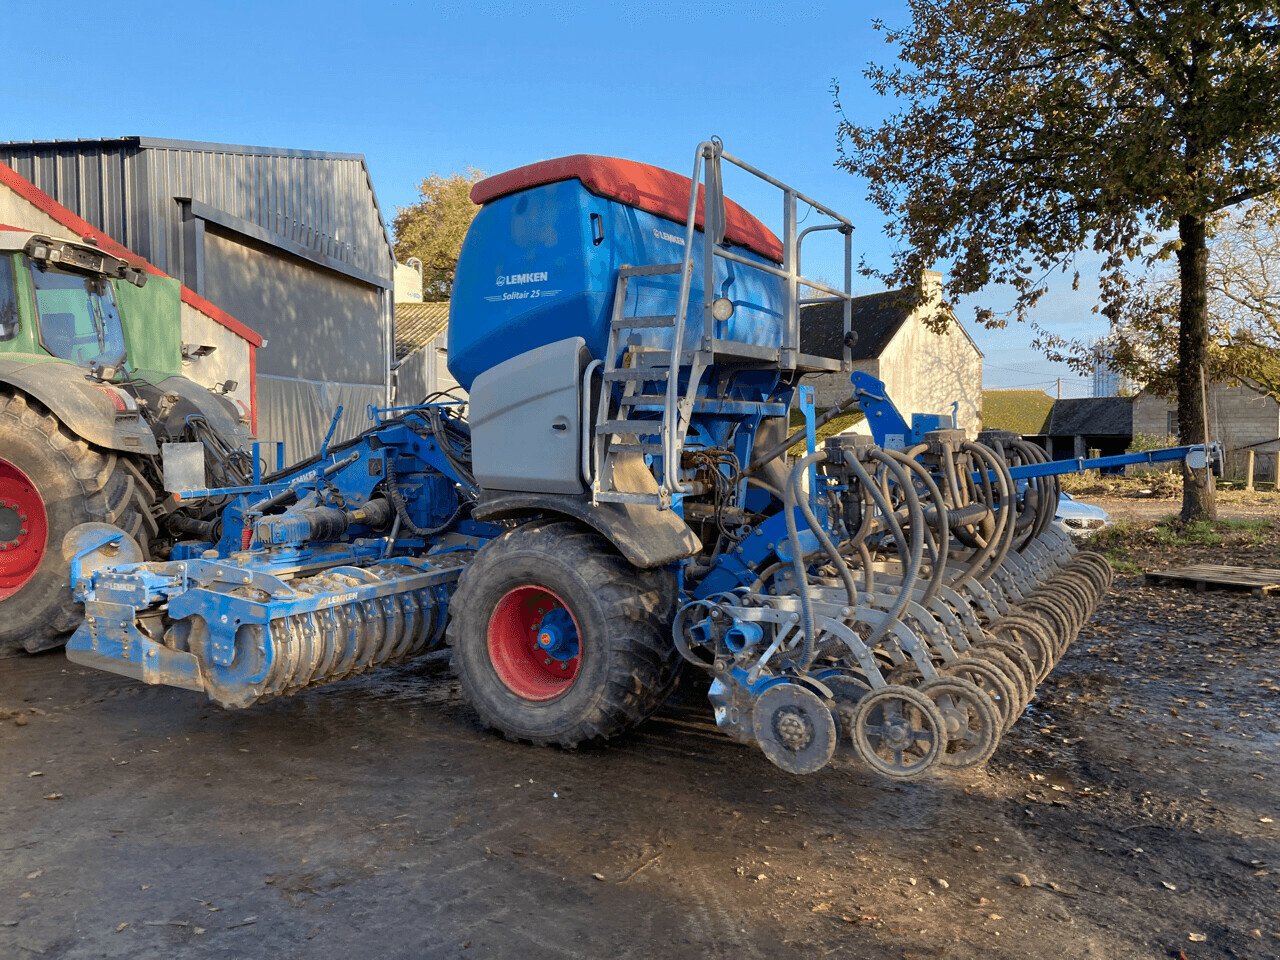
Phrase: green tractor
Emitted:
{"points": [[91, 393]]}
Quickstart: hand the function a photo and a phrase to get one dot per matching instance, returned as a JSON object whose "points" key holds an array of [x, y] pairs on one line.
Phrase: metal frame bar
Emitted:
{"points": [[707, 185], [712, 151]]}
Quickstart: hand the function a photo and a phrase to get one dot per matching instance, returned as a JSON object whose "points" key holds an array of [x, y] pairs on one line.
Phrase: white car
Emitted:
{"points": [[1080, 519]]}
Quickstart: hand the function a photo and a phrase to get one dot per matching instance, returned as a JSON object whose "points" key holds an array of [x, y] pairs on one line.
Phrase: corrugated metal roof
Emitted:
{"points": [[167, 143], [318, 201], [417, 324]]}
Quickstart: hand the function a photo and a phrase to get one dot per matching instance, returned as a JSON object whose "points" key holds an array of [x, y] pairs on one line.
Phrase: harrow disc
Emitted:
{"points": [[846, 691], [991, 679], [1027, 639], [1055, 618], [794, 728], [898, 732], [1071, 598], [972, 723], [1099, 563], [1010, 648]]}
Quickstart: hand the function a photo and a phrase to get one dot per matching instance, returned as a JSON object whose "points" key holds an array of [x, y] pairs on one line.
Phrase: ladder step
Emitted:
{"points": [[654, 448], [708, 405], [638, 323], [640, 427], [638, 399], [613, 496], [636, 373], [650, 270]]}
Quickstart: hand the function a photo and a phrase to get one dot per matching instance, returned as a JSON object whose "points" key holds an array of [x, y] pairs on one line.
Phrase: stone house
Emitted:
{"points": [[924, 371], [1239, 418]]}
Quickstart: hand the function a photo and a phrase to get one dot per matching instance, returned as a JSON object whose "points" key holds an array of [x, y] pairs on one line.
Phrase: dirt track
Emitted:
{"points": [[375, 819]]}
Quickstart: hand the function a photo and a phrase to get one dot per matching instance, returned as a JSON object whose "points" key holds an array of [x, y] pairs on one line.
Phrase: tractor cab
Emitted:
{"points": [[94, 403], [57, 300]]}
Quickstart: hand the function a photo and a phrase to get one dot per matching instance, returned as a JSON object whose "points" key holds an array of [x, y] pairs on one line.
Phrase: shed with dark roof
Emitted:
{"points": [[1079, 425], [1100, 417]]}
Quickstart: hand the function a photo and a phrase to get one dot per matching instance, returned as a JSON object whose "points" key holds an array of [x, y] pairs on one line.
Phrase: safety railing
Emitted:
{"points": [[707, 175]]}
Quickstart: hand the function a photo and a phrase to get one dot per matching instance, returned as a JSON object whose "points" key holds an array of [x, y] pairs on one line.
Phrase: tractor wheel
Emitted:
{"points": [[50, 482], [559, 640]]}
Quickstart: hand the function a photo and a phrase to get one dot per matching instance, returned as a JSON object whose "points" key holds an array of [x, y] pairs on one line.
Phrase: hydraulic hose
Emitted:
{"points": [[940, 547], [807, 642], [915, 512], [865, 478], [828, 547], [1001, 539]]}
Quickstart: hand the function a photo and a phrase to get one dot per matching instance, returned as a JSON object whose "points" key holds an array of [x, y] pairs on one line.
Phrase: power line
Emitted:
{"points": [[1036, 383]]}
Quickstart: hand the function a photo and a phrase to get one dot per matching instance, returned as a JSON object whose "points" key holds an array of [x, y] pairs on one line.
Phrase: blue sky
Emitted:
{"points": [[422, 88]]}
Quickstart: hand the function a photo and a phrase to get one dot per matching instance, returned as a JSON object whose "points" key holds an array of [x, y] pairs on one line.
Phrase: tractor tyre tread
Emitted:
{"points": [[627, 676], [92, 485]]}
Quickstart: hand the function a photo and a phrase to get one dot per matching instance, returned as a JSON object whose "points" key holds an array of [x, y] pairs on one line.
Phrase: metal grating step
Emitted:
{"points": [[614, 496], [641, 323], [635, 373], [643, 399], [652, 448], [642, 428]]}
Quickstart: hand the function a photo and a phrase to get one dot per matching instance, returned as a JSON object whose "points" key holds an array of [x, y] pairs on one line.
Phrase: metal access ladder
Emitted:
{"points": [[625, 430], [632, 425]]}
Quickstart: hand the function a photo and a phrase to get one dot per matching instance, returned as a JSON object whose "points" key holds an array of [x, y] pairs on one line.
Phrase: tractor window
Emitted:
{"points": [[8, 301], [78, 317]]}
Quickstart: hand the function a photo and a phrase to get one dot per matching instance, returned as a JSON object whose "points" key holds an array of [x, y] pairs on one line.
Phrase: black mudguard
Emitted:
{"points": [[646, 536], [87, 408]]}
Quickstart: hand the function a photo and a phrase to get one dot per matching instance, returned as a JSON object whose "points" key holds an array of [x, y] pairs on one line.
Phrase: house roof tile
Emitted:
{"points": [[1092, 416], [876, 318], [417, 324]]}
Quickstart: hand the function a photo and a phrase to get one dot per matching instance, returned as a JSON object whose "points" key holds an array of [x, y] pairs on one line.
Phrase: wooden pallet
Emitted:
{"points": [[1258, 580]]}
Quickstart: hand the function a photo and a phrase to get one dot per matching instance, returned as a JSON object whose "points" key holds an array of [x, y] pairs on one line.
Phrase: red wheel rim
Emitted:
{"points": [[514, 629], [24, 529]]}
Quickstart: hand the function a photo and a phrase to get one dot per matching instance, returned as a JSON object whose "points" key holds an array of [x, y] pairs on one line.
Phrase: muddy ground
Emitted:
{"points": [[1130, 814]]}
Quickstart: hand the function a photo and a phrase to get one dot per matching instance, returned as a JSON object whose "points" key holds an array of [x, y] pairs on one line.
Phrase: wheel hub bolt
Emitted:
{"points": [[794, 730]]}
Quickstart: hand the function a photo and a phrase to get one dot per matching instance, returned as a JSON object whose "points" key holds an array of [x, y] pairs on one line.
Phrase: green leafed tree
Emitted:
{"points": [[1243, 271], [433, 228], [1030, 132]]}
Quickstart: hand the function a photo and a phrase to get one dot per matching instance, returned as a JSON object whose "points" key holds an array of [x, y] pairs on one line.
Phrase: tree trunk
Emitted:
{"points": [[1198, 500]]}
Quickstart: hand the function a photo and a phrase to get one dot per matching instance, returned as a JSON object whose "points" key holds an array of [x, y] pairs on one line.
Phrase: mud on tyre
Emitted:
{"points": [[50, 482], [557, 639]]}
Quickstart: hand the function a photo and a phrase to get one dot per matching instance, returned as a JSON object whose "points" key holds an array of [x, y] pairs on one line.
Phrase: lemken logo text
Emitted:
{"points": [[512, 279]]}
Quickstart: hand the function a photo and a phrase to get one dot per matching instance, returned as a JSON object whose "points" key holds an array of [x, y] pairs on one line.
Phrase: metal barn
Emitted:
{"points": [[292, 242]]}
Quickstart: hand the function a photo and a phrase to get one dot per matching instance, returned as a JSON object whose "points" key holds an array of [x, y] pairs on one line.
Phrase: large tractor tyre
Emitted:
{"points": [[559, 640], [50, 482]]}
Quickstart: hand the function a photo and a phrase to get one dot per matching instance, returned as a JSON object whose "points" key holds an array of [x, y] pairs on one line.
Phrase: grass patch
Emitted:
{"points": [[1122, 564], [829, 429], [1246, 524], [1129, 544], [1172, 532]]}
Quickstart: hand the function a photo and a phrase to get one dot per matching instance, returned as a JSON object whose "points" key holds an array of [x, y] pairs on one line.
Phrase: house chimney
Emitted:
{"points": [[931, 284]]}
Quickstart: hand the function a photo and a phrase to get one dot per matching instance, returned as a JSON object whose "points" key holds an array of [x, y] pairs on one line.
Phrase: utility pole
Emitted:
{"points": [[1059, 388]]}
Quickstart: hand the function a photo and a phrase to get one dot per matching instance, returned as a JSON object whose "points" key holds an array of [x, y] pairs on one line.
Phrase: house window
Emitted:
{"points": [[1171, 424]]}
